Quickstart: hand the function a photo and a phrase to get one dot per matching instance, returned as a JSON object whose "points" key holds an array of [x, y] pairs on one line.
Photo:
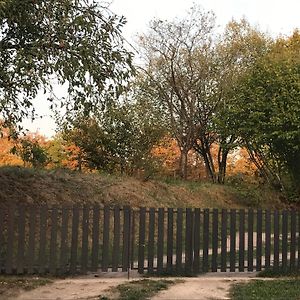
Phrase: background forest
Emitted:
{"points": [[188, 102]]}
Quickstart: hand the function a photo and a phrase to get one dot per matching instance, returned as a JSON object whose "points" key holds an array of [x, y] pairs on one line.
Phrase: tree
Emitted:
{"points": [[118, 140], [177, 59], [76, 43], [267, 108], [238, 49]]}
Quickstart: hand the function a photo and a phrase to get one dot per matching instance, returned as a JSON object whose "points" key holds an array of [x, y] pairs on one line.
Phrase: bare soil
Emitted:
{"points": [[208, 286]]}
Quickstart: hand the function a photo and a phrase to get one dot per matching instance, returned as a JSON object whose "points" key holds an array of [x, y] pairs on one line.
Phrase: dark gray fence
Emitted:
{"points": [[70, 240]]}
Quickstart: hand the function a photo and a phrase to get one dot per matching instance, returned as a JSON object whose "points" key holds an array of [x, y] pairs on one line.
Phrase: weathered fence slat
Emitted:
{"points": [[196, 266], [64, 239], [276, 239], [160, 241], [1, 238], [31, 242], [179, 240], [224, 241], [95, 238], [241, 240], [188, 240], [43, 238], [53, 241], [214, 262], [232, 239], [116, 242], [74, 240], [293, 240], [21, 240], [205, 239], [126, 239], [133, 238], [250, 241], [259, 240], [151, 239], [284, 238], [105, 247], [298, 263], [142, 229], [85, 239], [268, 239], [170, 241]]}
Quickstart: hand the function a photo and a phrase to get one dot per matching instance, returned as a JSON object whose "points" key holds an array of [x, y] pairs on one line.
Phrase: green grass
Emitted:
{"points": [[19, 282], [267, 289], [141, 289], [281, 272]]}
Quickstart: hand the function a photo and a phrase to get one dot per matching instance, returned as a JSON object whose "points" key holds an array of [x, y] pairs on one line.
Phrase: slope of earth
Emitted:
{"points": [[22, 185]]}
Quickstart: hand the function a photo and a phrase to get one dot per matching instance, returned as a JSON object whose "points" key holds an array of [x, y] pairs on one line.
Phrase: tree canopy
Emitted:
{"points": [[75, 43]]}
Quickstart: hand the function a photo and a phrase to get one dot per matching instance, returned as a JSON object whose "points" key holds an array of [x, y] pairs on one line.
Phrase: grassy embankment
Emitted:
{"points": [[21, 185]]}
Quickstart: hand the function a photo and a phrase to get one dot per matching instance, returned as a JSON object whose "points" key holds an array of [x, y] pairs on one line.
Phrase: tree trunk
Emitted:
{"points": [[183, 163], [222, 163]]}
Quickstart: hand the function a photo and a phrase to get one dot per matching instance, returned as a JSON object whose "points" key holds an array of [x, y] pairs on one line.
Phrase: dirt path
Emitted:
{"points": [[208, 286], [86, 287]]}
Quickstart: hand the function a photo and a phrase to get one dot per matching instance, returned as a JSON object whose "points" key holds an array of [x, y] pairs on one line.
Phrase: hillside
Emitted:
{"points": [[21, 185]]}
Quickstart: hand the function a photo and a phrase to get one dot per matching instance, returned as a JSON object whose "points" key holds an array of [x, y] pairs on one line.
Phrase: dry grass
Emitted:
{"points": [[21, 185]]}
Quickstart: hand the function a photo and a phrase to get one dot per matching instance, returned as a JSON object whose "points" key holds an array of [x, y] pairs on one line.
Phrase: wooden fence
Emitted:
{"points": [[70, 240]]}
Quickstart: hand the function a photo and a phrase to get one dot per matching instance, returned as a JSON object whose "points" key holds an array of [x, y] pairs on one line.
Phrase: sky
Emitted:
{"points": [[277, 17]]}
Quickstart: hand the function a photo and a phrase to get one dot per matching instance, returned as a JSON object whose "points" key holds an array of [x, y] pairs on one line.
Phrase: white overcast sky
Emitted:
{"points": [[274, 16]]}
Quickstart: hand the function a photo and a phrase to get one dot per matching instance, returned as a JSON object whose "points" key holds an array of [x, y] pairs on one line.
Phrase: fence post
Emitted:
{"points": [[215, 238], [241, 240], [170, 241], [74, 241], [151, 239], [196, 266], [268, 239], [160, 240], [141, 254], [43, 238], [179, 240], [205, 239], [250, 240], [116, 243], [105, 248], [53, 241], [85, 239], [232, 239], [259, 240]]}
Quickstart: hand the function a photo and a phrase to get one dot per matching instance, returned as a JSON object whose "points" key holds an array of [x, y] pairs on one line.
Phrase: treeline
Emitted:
{"points": [[215, 94]]}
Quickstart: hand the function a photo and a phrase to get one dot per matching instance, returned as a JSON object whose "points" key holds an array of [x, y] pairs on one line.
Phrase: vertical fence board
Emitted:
{"points": [[276, 239], [160, 241], [196, 266], [268, 239], [2, 246], [232, 239], [293, 240], [142, 228], [205, 239], [43, 239], [74, 240], [250, 241], [53, 241], [21, 240], [105, 247], [259, 240], [116, 243], [126, 239], [224, 241], [214, 263], [284, 238], [64, 239], [31, 242], [151, 239], [133, 239], [95, 238], [85, 239], [170, 241], [188, 240], [242, 240], [298, 263], [10, 239], [179, 240]]}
